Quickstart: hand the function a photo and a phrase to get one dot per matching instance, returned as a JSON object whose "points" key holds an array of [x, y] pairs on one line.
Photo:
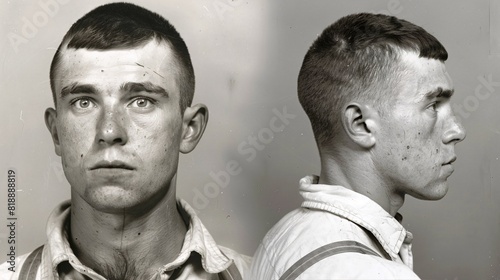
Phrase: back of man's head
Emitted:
{"points": [[123, 26], [356, 59]]}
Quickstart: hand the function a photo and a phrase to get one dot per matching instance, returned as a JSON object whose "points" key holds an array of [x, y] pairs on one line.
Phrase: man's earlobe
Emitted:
{"points": [[360, 124], [194, 122], [50, 121]]}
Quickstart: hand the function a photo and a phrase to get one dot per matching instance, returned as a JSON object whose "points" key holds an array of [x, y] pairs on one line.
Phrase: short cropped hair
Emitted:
{"points": [[357, 59], [122, 26]]}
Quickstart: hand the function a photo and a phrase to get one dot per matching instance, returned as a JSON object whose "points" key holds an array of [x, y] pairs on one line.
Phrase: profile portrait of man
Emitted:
{"points": [[377, 94], [123, 84]]}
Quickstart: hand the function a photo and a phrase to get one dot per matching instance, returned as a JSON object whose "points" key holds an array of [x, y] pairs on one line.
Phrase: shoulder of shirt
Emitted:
{"points": [[241, 261], [327, 227], [290, 239], [6, 274]]}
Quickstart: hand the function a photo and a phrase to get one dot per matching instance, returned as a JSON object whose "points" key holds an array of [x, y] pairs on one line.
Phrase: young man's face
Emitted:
{"points": [[119, 124], [419, 132]]}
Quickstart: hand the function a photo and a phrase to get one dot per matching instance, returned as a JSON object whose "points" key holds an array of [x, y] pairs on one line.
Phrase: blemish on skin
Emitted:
{"points": [[138, 233], [81, 155], [437, 150], [404, 158], [102, 70], [408, 147]]}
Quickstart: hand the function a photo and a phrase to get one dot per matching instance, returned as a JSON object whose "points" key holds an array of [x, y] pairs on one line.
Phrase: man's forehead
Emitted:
{"points": [[425, 75], [153, 52], [153, 61]]}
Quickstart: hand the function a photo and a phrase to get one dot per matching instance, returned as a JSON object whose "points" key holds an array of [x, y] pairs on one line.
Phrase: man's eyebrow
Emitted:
{"points": [[77, 88], [144, 86], [440, 93]]}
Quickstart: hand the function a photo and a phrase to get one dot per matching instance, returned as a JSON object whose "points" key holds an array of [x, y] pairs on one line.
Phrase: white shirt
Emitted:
{"points": [[330, 214], [200, 257]]}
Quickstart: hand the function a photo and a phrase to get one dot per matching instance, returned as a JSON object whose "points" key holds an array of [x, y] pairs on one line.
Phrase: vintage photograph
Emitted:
{"points": [[231, 139]]}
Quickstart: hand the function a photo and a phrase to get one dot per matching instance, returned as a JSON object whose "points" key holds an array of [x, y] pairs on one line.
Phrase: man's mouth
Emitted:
{"points": [[115, 164], [451, 160]]}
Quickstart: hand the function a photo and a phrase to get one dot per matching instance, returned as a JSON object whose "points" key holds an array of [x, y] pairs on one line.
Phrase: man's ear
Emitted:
{"points": [[194, 123], [360, 123], [50, 121]]}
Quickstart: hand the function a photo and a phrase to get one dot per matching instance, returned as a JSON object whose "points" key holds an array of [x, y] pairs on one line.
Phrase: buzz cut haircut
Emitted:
{"points": [[122, 26], [357, 58]]}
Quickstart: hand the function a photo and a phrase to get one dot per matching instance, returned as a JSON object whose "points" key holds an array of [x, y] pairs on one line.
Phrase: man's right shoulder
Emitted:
{"points": [[300, 225], [296, 234], [303, 231]]}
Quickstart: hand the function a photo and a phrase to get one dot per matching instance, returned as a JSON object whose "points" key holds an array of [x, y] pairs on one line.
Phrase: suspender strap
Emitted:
{"points": [[231, 273], [31, 264], [324, 252]]}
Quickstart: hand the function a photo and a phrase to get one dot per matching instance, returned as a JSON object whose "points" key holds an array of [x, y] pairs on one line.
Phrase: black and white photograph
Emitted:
{"points": [[231, 139]]}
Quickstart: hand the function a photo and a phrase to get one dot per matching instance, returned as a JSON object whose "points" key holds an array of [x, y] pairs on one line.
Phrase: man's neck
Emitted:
{"points": [[124, 246], [359, 175]]}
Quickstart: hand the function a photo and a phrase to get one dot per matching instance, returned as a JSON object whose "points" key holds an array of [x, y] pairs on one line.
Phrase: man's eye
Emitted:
{"points": [[433, 106], [141, 103], [83, 103]]}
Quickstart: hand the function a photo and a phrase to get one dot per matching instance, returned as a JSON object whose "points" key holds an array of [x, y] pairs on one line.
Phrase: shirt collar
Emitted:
{"points": [[357, 208], [197, 240]]}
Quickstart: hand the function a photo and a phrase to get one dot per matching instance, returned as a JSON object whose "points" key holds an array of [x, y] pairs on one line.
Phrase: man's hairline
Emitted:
{"points": [[401, 60]]}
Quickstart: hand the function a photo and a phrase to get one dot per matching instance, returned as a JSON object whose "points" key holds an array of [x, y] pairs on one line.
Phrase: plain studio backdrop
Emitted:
{"points": [[243, 176]]}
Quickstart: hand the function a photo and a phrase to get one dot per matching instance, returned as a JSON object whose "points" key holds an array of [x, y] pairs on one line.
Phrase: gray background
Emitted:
{"points": [[246, 56]]}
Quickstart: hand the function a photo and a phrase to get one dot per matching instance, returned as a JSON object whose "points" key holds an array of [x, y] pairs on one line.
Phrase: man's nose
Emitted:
{"points": [[455, 131], [111, 129]]}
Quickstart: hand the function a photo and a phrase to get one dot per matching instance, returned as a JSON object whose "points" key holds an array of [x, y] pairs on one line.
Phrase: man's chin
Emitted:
{"points": [[433, 193], [115, 200]]}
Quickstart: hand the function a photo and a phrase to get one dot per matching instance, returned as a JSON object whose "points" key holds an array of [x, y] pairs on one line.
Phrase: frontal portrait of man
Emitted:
{"points": [[123, 84], [377, 94]]}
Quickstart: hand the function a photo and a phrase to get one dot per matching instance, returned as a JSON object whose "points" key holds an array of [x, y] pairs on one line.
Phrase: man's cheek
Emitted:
{"points": [[75, 145]]}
